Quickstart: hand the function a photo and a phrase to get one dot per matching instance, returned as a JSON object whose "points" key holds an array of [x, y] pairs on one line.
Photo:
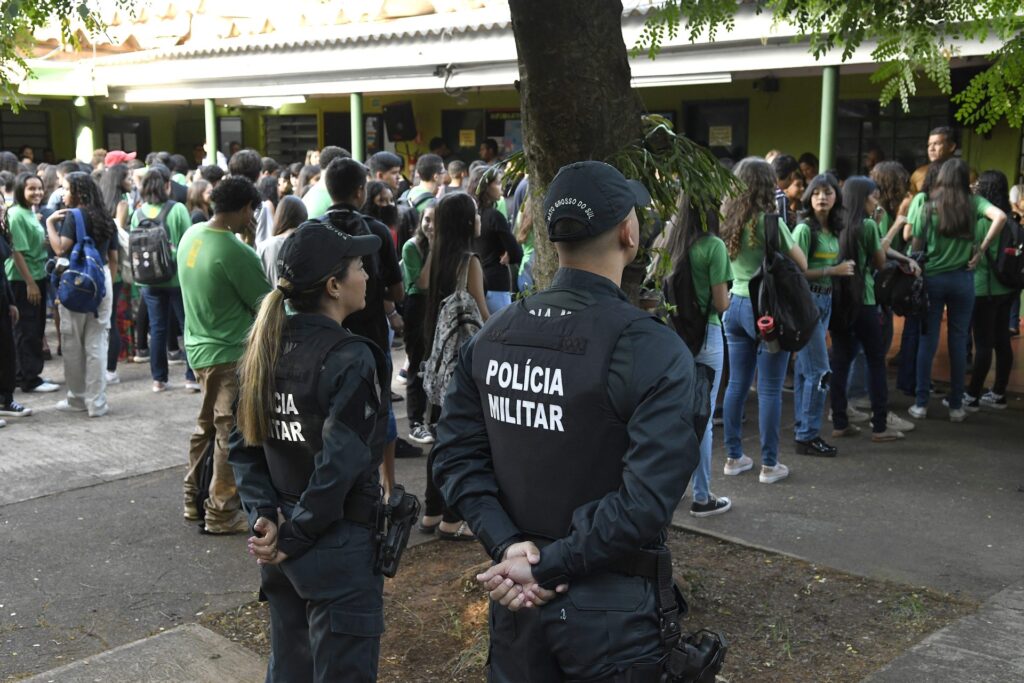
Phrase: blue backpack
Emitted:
{"points": [[82, 286]]}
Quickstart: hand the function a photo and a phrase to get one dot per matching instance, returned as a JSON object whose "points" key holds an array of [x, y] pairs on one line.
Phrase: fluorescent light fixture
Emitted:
{"points": [[664, 80], [79, 101], [273, 102]]}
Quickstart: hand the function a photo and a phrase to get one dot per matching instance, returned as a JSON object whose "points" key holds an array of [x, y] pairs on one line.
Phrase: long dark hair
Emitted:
{"points": [[856, 191], [86, 195], [993, 186], [454, 231], [687, 229], [290, 213], [930, 176], [742, 211], [420, 237], [809, 218], [112, 187], [952, 197], [20, 183], [154, 187]]}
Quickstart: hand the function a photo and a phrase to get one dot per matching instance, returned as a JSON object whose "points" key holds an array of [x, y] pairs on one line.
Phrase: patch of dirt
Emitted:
{"points": [[785, 619]]}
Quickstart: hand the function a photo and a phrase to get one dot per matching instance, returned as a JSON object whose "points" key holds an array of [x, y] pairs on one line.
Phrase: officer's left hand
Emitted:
{"points": [[264, 545], [511, 584]]}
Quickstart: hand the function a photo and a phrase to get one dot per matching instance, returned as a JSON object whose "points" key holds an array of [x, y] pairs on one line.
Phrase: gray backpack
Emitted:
{"points": [[150, 250], [458, 320]]}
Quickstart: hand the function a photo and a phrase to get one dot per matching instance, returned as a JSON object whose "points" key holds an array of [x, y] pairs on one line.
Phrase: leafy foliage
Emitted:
{"points": [[20, 20], [911, 40]]}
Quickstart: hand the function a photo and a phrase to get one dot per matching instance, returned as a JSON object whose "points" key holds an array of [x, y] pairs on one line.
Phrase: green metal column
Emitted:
{"points": [[358, 134], [85, 124], [210, 108], [829, 96]]}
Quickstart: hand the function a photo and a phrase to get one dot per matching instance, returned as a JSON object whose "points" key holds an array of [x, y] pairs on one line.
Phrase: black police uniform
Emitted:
{"points": [[569, 422], [320, 466]]}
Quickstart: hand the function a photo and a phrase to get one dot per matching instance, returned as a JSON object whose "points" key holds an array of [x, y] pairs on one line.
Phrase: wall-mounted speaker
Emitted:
{"points": [[399, 121]]}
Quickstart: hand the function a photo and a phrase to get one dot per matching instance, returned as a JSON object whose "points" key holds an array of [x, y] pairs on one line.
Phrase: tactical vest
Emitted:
{"points": [[297, 418], [556, 441]]}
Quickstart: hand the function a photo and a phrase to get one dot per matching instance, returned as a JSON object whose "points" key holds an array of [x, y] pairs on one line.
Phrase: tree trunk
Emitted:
{"points": [[577, 102]]}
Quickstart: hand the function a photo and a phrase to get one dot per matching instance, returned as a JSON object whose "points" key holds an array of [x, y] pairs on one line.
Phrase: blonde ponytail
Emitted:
{"points": [[256, 372]]}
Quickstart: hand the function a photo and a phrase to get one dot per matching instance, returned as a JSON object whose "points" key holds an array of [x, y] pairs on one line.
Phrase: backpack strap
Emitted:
{"points": [[462, 279], [79, 226], [771, 233], [164, 210], [423, 199]]}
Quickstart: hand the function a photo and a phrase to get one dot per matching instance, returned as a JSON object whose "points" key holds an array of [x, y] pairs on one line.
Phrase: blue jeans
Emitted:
{"points": [[812, 374], [161, 304], [711, 356], [747, 354], [497, 301], [906, 374], [955, 292]]}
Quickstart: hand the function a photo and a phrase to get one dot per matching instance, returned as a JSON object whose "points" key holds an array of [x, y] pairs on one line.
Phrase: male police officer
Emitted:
{"points": [[569, 427]]}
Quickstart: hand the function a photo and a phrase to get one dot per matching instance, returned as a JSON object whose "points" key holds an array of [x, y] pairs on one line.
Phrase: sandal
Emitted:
{"points": [[461, 534], [427, 528]]}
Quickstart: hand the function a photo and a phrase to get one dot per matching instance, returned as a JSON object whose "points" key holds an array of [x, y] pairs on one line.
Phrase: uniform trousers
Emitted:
{"points": [[219, 384], [596, 631], [326, 610], [83, 340]]}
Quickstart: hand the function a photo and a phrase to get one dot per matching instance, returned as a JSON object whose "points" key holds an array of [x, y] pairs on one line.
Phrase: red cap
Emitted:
{"points": [[117, 157]]}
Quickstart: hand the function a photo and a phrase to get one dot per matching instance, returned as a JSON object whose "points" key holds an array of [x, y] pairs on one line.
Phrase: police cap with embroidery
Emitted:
{"points": [[594, 195], [314, 252]]}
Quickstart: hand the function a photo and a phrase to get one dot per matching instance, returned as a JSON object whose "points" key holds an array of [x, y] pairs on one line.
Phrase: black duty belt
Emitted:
{"points": [[638, 563], [819, 289], [362, 509]]}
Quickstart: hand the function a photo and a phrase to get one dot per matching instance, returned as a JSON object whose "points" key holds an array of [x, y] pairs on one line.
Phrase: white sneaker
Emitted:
{"points": [[192, 386], [918, 412], [101, 412], [421, 434], [969, 404], [112, 377], [65, 407], [894, 421], [852, 415], [993, 400], [44, 388], [957, 414], [862, 402], [3, 423], [770, 475], [734, 466], [159, 387]]}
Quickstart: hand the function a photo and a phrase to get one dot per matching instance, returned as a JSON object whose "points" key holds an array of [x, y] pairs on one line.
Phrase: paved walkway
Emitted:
{"points": [[97, 556]]}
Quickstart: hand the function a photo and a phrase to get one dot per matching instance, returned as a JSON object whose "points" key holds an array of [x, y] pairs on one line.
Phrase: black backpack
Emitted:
{"points": [[150, 250], [1008, 265], [900, 290], [688, 318], [780, 290], [847, 294]]}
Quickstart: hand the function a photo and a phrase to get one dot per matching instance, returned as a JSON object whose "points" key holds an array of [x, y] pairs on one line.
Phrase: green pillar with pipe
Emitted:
{"points": [[358, 134], [210, 109], [85, 125], [829, 97]]}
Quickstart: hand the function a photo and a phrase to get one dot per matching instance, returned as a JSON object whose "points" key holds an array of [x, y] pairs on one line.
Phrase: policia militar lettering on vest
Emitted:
{"points": [[543, 385], [296, 426]]}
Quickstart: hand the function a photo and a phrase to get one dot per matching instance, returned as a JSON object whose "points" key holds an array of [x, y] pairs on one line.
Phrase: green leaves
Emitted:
{"points": [[911, 40]]}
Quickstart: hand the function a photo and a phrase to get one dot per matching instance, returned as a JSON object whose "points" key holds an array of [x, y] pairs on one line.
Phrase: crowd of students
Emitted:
{"points": [[944, 226], [226, 227]]}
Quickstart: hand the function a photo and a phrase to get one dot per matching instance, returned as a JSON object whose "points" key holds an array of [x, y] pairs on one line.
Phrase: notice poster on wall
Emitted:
{"points": [[467, 137], [719, 136], [512, 141]]}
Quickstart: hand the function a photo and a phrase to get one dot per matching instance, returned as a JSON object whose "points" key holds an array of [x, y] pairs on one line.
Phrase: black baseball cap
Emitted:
{"points": [[315, 250], [593, 194]]}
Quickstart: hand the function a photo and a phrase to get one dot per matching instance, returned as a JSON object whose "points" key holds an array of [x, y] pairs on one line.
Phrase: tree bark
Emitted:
{"points": [[577, 101]]}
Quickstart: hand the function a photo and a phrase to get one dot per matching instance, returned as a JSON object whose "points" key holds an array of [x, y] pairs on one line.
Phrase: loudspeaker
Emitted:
{"points": [[399, 121]]}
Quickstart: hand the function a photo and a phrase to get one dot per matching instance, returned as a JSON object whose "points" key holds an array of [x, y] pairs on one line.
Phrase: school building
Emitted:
{"points": [[392, 74]]}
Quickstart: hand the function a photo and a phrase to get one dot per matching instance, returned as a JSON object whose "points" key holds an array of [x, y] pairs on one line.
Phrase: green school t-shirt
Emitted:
{"points": [[28, 238], [749, 259], [826, 251], [412, 266], [985, 281], [222, 282], [178, 222], [317, 200], [945, 254], [709, 266], [870, 242]]}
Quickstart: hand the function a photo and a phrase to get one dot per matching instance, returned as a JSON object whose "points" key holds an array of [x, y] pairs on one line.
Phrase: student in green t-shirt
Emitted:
{"points": [[992, 303], [817, 235], [860, 241], [415, 278], [222, 283], [742, 230], [945, 227], [163, 300], [26, 270], [710, 274]]}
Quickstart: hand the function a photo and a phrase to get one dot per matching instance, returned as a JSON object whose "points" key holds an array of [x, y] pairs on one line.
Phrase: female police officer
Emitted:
{"points": [[311, 415]]}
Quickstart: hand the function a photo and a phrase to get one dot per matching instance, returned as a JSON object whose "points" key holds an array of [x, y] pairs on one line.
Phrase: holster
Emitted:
{"points": [[394, 523]]}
